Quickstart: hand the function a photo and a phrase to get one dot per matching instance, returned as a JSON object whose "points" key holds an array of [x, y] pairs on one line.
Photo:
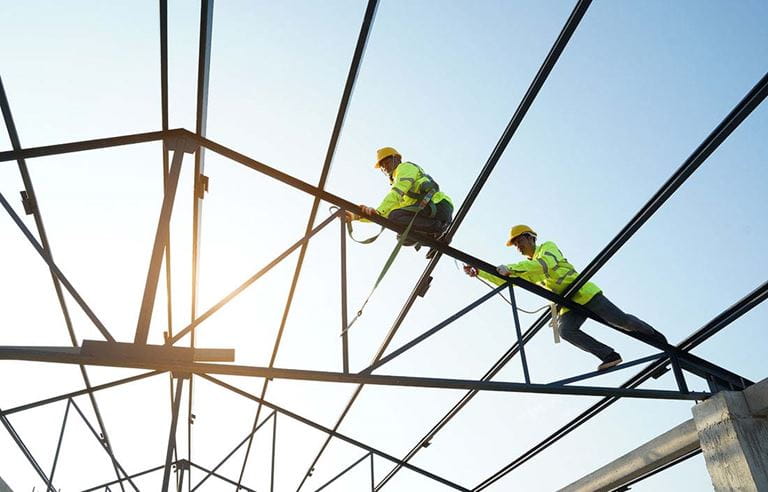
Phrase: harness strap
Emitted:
{"points": [[390, 260]]}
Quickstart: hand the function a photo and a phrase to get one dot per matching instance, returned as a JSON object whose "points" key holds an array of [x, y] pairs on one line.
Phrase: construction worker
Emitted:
{"points": [[410, 187], [547, 266]]}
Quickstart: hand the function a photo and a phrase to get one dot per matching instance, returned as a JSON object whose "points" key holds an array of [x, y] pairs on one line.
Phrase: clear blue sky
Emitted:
{"points": [[639, 86]]}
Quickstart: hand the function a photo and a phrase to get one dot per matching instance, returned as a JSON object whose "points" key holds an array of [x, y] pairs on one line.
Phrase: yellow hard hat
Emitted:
{"points": [[518, 230], [383, 153]]}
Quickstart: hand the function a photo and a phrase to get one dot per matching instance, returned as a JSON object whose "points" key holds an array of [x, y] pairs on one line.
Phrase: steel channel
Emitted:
{"points": [[58, 443], [48, 354], [172, 435], [39, 223], [26, 452], [156, 260], [520, 343], [83, 145], [105, 447], [229, 455], [344, 308], [409, 345], [326, 430], [198, 192], [250, 281], [60, 275], [220, 477], [718, 323], [349, 85], [344, 471], [738, 114], [135, 475], [73, 394]]}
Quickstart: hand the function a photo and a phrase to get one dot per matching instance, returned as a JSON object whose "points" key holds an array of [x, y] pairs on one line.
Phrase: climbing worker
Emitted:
{"points": [[413, 192], [547, 266]]}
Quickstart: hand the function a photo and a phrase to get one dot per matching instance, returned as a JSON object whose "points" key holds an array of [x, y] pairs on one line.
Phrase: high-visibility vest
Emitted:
{"points": [[550, 269], [409, 185]]}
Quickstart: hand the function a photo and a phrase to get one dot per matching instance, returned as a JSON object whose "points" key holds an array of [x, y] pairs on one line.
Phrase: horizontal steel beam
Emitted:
{"points": [[82, 145], [66, 356]]}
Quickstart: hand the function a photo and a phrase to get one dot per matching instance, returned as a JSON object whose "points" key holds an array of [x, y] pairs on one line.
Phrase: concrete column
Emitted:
{"points": [[733, 433]]}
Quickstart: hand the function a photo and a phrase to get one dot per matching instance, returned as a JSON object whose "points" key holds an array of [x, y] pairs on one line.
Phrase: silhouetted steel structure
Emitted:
{"points": [[190, 363]]}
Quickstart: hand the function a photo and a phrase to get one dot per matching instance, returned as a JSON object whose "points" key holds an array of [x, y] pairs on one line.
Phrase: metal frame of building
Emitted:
{"points": [[193, 364]]}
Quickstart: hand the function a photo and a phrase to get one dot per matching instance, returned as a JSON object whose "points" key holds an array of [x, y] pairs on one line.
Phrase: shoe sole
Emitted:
{"points": [[608, 365]]}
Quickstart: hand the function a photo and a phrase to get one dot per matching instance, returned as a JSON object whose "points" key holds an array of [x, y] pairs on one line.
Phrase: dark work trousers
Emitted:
{"points": [[428, 221], [570, 326]]}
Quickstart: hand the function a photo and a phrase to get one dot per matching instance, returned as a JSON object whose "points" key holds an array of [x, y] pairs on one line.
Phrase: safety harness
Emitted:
{"points": [[554, 321], [425, 199]]}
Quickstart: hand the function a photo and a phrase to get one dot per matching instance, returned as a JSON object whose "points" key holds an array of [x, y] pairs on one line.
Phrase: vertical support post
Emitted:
{"points": [[678, 372], [519, 334], [201, 121], [172, 435], [163, 4], [200, 180], [272, 465], [150, 289], [344, 320], [373, 482], [61, 438]]}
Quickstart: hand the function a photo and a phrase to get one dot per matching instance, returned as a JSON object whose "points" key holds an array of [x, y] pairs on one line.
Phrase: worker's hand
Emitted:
{"points": [[349, 216], [369, 211], [470, 270], [503, 270]]}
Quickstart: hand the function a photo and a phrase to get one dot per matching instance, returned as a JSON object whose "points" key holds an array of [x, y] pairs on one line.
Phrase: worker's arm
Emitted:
{"points": [[404, 177], [494, 279]]}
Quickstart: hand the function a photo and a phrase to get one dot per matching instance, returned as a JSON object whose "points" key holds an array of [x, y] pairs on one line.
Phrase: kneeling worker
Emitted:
{"points": [[547, 266], [410, 186]]}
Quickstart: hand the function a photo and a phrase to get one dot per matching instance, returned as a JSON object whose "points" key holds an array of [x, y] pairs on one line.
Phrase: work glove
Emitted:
{"points": [[503, 270], [470, 270], [349, 216], [369, 210]]}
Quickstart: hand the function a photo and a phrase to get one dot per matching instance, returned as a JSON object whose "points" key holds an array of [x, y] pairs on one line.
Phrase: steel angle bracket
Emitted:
{"points": [[182, 143], [154, 353]]}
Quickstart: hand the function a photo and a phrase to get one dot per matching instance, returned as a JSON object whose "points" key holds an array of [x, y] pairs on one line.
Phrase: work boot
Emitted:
{"points": [[432, 251], [611, 360]]}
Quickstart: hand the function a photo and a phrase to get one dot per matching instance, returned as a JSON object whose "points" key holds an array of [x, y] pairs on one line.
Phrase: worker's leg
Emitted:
{"points": [[430, 220], [570, 331], [614, 316]]}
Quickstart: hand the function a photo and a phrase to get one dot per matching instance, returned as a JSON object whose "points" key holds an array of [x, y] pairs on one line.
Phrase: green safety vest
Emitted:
{"points": [[548, 268], [409, 185]]}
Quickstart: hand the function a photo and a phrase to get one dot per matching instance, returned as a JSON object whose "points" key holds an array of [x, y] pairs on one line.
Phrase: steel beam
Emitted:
{"points": [[737, 115], [344, 308], [333, 433], [349, 86], [83, 145], [66, 356], [105, 446], [105, 486], [156, 259], [61, 438], [718, 323], [59, 274], [234, 450], [73, 394], [26, 452], [40, 225], [344, 471], [251, 280], [225, 479], [172, 435]]}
